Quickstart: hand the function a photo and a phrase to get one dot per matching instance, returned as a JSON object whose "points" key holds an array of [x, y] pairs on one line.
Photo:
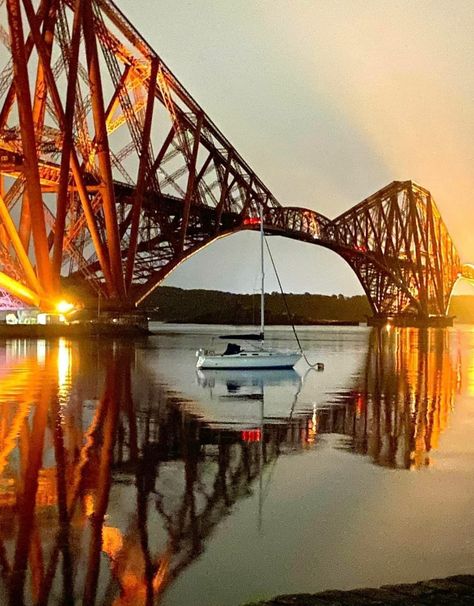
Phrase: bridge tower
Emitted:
{"points": [[400, 249]]}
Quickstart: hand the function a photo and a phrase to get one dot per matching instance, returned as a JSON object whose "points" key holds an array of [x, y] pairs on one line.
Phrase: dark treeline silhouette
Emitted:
{"points": [[172, 304]]}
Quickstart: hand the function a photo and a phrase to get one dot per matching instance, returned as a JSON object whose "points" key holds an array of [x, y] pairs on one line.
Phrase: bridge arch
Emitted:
{"points": [[395, 241]]}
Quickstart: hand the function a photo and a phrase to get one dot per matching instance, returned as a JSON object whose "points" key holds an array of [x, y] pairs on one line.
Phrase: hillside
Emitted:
{"points": [[215, 307], [172, 304]]}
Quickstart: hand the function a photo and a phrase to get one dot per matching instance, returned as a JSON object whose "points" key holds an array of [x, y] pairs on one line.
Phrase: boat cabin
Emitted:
{"points": [[232, 349]]}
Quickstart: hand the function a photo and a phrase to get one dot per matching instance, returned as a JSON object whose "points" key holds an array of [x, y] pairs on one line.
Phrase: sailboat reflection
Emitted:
{"points": [[276, 392], [241, 383], [232, 395]]}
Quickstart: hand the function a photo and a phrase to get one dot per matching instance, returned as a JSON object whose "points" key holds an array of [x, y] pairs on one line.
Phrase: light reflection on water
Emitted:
{"points": [[126, 477]]}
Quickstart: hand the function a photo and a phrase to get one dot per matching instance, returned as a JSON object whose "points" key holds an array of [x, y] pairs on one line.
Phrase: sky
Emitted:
{"points": [[328, 101]]}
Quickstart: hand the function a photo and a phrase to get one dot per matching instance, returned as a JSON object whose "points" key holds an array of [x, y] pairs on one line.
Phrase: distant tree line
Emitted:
{"points": [[170, 304]]}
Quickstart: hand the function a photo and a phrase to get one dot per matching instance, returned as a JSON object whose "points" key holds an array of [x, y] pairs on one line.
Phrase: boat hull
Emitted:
{"points": [[265, 360]]}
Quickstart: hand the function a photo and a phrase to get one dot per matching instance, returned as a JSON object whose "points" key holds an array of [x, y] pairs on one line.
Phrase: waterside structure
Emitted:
{"points": [[51, 326], [411, 321]]}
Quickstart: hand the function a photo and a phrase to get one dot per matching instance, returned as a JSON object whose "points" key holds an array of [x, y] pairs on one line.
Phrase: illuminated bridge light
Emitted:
{"points": [[64, 307], [251, 221], [251, 435]]}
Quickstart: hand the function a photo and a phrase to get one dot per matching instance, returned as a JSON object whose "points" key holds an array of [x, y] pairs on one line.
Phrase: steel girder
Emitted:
{"points": [[111, 175]]}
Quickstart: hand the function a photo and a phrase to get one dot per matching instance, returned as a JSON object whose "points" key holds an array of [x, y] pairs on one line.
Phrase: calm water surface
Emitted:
{"points": [[126, 477]]}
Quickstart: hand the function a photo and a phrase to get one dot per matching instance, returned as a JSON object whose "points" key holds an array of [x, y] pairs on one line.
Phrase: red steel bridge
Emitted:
{"points": [[111, 175]]}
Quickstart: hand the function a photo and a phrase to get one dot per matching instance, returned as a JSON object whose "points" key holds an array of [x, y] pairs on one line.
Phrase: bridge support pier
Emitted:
{"points": [[410, 320], [114, 322]]}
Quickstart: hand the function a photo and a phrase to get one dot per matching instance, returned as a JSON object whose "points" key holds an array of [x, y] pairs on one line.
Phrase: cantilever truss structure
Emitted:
{"points": [[111, 171], [409, 262], [396, 243], [111, 174]]}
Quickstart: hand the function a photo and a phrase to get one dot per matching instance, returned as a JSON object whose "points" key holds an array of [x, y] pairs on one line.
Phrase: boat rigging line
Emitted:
{"points": [[316, 365]]}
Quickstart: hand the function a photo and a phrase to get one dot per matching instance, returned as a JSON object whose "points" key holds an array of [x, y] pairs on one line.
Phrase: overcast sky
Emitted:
{"points": [[328, 101]]}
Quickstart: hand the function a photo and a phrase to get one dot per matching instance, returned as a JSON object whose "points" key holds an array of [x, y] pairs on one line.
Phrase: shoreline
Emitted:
{"points": [[454, 590], [123, 329], [53, 331]]}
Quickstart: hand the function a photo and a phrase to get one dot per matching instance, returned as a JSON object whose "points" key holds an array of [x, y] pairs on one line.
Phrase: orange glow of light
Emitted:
{"points": [[89, 505], [112, 541], [359, 405], [9, 438], [468, 373], [64, 307], [22, 379], [64, 368], [162, 572], [312, 427]]}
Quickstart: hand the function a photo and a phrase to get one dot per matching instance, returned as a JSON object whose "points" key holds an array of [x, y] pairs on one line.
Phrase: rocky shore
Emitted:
{"points": [[454, 591]]}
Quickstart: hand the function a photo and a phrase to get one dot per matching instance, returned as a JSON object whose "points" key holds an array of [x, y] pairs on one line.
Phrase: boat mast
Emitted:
{"points": [[262, 270]]}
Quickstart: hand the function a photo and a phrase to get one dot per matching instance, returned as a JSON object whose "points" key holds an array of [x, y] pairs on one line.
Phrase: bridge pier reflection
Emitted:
{"points": [[397, 412]]}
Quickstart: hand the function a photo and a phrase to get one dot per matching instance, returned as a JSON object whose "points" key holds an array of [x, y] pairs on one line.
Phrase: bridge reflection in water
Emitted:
{"points": [[398, 411], [109, 488]]}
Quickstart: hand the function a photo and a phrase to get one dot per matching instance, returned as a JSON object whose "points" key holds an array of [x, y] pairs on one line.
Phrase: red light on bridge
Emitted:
{"points": [[360, 404], [251, 435], [251, 221]]}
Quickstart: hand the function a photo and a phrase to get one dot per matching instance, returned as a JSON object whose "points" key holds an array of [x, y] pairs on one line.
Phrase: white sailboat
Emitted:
{"points": [[254, 354]]}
